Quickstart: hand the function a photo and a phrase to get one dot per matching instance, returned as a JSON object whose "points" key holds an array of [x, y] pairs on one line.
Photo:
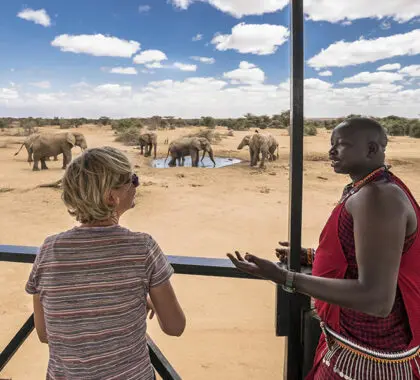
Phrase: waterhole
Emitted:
{"points": [[206, 163]]}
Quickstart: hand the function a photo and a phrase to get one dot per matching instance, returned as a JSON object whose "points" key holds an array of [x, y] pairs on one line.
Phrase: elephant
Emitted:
{"points": [[273, 146], [258, 143], [189, 146], [148, 139], [27, 143], [51, 144]]}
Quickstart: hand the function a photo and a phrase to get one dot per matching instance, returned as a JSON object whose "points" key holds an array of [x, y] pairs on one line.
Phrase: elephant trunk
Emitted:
{"points": [[212, 157]]}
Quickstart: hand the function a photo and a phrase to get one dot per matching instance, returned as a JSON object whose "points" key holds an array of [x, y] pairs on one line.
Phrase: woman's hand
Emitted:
{"points": [[284, 249], [258, 267], [150, 307]]}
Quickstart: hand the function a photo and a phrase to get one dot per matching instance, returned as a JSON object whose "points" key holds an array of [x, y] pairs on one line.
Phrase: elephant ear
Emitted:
{"points": [[196, 144], [71, 139]]}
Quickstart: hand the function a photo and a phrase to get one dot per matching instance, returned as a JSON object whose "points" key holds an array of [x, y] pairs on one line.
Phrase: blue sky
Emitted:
{"points": [[139, 58]]}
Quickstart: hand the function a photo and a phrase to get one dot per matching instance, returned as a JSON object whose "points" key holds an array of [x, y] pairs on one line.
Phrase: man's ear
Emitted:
{"points": [[373, 149]]}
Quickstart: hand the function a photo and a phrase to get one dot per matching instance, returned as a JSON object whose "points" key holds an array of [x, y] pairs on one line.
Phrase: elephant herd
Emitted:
{"points": [[178, 149], [42, 146], [258, 143]]}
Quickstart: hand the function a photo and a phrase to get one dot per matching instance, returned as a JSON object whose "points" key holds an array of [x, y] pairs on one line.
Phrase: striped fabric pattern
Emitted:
{"points": [[93, 283]]}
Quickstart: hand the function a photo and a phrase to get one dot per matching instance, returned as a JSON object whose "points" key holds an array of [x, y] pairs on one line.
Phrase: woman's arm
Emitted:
{"points": [[380, 220], [39, 319], [169, 313]]}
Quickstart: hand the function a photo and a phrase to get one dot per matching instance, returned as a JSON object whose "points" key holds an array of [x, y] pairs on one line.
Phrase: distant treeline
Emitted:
{"points": [[395, 125]]}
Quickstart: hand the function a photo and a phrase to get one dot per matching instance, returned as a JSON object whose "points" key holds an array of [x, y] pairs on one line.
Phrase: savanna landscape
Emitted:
{"points": [[198, 211]]}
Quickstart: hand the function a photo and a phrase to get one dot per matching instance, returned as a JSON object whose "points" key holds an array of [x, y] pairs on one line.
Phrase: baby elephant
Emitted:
{"points": [[258, 143]]}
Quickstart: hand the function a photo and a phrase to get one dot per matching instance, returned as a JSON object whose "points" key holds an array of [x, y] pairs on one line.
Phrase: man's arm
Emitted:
{"points": [[380, 219]]}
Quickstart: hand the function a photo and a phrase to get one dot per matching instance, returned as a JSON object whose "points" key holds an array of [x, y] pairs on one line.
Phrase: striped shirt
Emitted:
{"points": [[93, 283]]}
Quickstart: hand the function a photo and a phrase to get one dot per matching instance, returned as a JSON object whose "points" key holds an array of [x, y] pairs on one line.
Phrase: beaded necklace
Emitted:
{"points": [[354, 187]]}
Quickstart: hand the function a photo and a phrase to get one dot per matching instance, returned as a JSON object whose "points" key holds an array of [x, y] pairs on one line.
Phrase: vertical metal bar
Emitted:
{"points": [[294, 339]]}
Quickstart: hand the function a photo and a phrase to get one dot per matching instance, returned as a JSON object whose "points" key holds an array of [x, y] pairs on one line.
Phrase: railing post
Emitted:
{"points": [[294, 355]]}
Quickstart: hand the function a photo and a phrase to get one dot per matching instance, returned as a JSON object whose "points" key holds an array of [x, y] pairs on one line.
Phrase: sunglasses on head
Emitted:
{"points": [[135, 180]]}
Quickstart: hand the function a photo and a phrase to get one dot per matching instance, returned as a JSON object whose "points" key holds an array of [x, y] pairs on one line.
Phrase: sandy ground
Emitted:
{"points": [[190, 212]]}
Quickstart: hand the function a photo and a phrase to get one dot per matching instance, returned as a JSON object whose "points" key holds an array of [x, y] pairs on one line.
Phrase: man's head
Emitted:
{"points": [[358, 146]]}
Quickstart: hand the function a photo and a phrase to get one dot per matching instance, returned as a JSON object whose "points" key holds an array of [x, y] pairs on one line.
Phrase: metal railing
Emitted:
{"points": [[186, 266]]}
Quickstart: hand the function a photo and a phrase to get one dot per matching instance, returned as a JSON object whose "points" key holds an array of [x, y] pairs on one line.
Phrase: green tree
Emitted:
{"points": [[208, 121]]}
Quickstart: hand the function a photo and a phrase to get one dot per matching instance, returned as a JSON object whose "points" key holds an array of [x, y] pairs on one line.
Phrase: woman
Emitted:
{"points": [[94, 284], [366, 272]]}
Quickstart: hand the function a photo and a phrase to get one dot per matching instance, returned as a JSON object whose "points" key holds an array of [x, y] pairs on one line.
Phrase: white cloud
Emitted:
{"points": [[326, 73], [247, 73], [316, 84], [197, 37], [206, 60], [96, 44], [144, 8], [42, 84], [385, 25], [81, 84], [154, 65], [261, 39], [335, 11], [341, 53], [378, 77], [197, 96], [238, 8], [149, 56], [390, 67], [413, 70], [8, 94], [39, 16], [318, 10], [123, 70], [110, 89], [185, 67]]}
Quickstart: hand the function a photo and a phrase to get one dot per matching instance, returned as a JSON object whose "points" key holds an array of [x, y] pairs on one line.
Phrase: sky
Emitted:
{"points": [[192, 58]]}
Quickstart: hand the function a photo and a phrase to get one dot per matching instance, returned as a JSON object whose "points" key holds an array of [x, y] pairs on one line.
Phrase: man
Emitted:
{"points": [[366, 272]]}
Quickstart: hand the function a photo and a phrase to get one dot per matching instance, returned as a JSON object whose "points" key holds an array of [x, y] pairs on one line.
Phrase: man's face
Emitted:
{"points": [[349, 151]]}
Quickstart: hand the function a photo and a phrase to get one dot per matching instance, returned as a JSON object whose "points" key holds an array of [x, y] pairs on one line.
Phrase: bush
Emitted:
{"points": [[240, 125], [310, 130], [396, 129], [208, 121], [415, 130], [123, 124], [213, 137], [129, 136]]}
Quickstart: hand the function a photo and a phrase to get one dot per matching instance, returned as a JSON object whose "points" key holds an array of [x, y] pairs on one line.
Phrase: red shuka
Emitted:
{"points": [[330, 262]]}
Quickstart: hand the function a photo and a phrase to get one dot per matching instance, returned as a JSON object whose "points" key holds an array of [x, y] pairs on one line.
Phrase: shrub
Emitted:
{"points": [[396, 129], [129, 136], [240, 125], [310, 130], [208, 121], [415, 130], [213, 137]]}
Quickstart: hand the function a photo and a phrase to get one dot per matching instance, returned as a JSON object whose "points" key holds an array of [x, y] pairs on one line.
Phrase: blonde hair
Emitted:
{"points": [[88, 180]]}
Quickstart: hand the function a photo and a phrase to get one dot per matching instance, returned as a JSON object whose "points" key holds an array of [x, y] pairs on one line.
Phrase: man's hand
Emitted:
{"points": [[282, 253], [150, 307], [258, 267]]}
